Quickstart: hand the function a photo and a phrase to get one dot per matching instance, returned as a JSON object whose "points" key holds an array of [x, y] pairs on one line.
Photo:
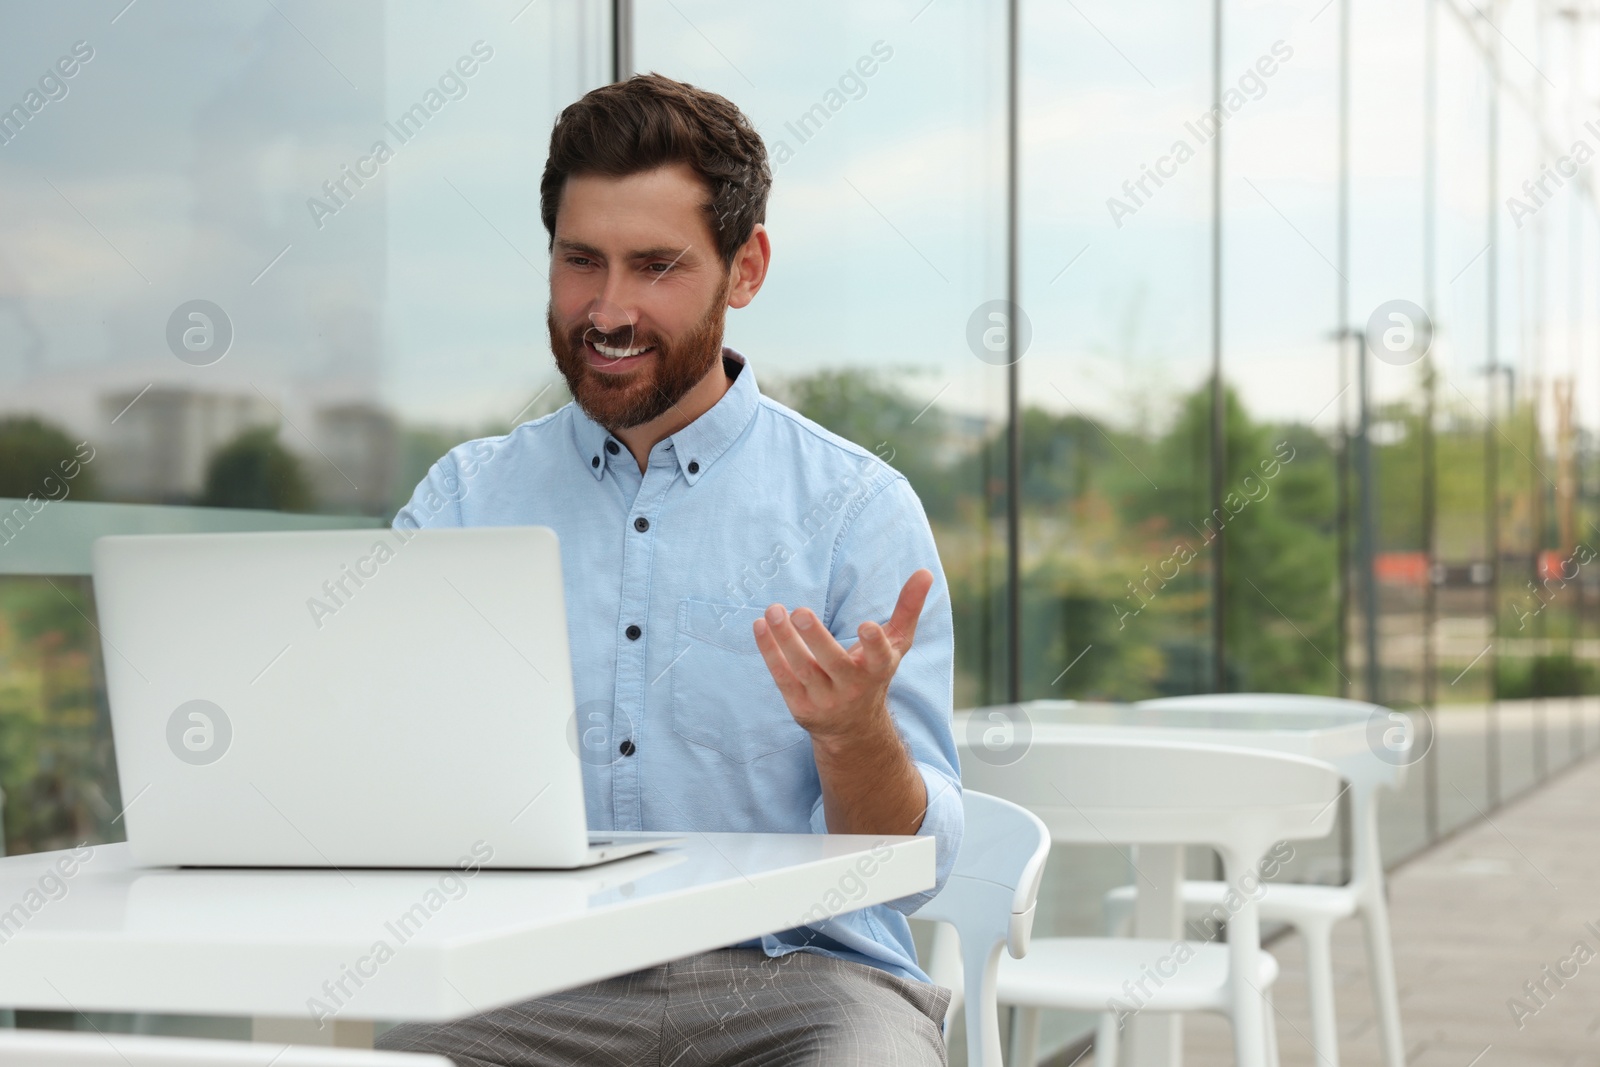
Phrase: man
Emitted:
{"points": [[743, 592]]}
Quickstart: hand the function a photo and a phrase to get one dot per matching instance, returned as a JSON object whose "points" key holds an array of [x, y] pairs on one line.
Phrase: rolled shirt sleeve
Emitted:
{"points": [[887, 540]]}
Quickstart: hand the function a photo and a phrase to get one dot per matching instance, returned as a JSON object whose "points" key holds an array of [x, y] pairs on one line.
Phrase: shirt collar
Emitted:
{"points": [[698, 445]]}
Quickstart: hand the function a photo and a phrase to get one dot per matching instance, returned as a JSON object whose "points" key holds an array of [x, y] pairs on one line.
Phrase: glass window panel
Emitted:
{"points": [[1116, 278], [365, 310], [1387, 190], [887, 221], [1281, 366], [1513, 416], [1461, 569]]}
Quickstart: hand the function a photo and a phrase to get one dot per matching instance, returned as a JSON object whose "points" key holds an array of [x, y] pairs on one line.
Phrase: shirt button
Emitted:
{"points": [[627, 748], [694, 466], [611, 446], [633, 632], [595, 462], [641, 524]]}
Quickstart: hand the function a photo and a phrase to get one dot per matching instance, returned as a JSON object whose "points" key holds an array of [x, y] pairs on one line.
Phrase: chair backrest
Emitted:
{"points": [[1239, 801], [1365, 769], [66, 1048], [988, 900]]}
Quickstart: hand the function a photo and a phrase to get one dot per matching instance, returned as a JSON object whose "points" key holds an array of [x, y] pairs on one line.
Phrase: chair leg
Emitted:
{"points": [[1024, 1037], [1318, 939], [1272, 1029], [945, 968], [1255, 1040], [1107, 1041], [1250, 1012], [1380, 967]]}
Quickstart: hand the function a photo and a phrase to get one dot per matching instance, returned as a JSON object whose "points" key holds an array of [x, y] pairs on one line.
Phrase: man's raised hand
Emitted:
{"points": [[832, 692]]}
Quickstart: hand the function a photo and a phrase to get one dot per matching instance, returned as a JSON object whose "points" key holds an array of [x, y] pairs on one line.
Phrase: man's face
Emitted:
{"points": [[638, 294]]}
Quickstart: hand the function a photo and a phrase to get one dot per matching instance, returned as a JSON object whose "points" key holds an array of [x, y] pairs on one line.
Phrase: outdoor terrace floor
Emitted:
{"points": [[1473, 918]]}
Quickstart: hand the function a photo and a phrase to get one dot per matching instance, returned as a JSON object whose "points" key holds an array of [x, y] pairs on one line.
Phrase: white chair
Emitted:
{"points": [[1312, 910], [986, 903], [76, 1048], [1238, 801]]}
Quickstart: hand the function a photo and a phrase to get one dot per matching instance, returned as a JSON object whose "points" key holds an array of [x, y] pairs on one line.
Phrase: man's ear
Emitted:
{"points": [[749, 268]]}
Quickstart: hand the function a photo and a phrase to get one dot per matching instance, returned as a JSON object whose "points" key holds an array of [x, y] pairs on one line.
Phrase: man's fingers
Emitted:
{"points": [[880, 653], [777, 663], [830, 654], [791, 646], [902, 624]]}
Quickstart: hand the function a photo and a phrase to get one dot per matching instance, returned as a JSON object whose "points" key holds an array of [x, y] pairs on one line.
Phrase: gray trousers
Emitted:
{"points": [[730, 1006]]}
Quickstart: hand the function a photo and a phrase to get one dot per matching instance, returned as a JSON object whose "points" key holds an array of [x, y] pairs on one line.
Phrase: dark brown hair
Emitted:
{"points": [[650, 121]]}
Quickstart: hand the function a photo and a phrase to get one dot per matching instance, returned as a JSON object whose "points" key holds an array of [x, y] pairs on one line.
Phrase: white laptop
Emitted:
{"points": [[346, 698]]}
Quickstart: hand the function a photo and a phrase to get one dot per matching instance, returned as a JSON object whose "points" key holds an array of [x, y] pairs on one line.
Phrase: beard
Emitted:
{"points": [[622, 401]]}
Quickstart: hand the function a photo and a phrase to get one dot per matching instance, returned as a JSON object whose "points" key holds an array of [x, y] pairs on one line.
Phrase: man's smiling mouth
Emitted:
{"points": [[611, 352]]}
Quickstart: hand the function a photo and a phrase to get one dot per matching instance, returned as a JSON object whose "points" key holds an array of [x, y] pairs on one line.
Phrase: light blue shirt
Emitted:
{"points": [[681, 725]]}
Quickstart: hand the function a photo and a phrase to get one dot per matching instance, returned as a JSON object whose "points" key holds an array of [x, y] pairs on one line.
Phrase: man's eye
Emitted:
{"points": [[664, 267], [578, 261]]}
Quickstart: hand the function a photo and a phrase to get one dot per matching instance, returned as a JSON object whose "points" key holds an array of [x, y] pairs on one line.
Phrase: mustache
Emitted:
{"points": [[621, 337]]}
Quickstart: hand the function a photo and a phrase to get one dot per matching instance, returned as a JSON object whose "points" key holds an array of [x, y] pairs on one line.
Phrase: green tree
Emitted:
{"points": [[255, 471], [32, 451], [1277, 528], [56, 761], [1107, 608]]}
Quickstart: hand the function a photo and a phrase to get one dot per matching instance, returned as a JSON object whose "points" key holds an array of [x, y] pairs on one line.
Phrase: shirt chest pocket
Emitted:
{"points": [[723, 696]]}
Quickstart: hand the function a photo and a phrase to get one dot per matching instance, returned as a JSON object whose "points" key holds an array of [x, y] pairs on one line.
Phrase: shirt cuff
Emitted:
{"points": [[944, 820]]}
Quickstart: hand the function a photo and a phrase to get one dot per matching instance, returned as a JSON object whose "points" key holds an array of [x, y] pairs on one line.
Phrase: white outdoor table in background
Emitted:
{"points": [[262, 943], [1156, 1041]]}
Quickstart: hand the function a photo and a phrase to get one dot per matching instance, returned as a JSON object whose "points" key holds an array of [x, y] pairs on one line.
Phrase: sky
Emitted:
{"points": [[180, 163]]}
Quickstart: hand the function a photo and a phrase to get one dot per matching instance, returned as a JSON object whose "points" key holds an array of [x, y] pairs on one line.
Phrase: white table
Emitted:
{"points": [[271, 944], [1156, 1041]]}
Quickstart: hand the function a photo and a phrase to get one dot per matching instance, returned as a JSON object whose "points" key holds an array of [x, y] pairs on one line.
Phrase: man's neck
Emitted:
{"points": [[702, 398]]}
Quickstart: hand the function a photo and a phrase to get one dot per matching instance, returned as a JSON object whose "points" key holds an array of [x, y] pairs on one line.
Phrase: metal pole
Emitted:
{"points": [[1366, 546], [1572, 485], [1341, 515], [1536, 385], [1013, 379], [1341, 334], [1430, 296], [621, 40], [1491, 447], [1219, 411]]}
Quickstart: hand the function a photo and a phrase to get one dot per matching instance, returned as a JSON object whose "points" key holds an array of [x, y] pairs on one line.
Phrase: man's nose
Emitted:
{"points": [[616, 302], [608, 316]]}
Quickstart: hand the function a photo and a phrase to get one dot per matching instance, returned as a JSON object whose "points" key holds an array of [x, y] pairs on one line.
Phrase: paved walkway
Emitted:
{"points": [[1474, 919]]}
